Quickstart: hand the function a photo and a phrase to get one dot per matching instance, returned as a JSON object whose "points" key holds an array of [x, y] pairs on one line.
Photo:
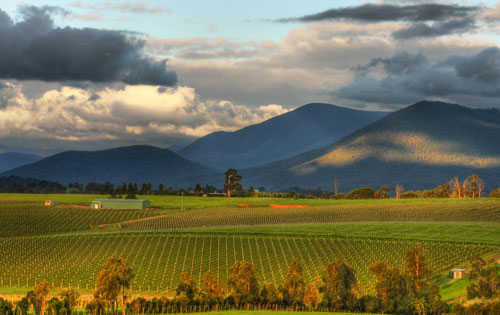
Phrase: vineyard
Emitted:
{"points": [[36, 219], [157, 259], [66, 247], [487, 211]]}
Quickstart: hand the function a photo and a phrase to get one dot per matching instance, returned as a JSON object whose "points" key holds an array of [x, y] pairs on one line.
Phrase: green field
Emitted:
{"points": [[67, 247]]}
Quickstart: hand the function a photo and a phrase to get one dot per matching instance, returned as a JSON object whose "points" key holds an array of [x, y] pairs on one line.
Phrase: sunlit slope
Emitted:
{"points": [[306, 128], [420, 146]]}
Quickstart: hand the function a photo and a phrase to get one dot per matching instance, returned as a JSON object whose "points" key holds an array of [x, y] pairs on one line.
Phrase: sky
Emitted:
{"points": [[91, 75]]}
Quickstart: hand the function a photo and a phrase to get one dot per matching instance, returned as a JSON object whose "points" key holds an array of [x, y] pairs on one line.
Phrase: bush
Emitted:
{"points": [[361, 193], [410, 195]]}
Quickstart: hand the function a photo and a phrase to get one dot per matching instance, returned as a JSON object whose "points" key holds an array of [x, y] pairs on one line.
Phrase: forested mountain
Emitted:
{"points": [[308, 127], [12, 160], [420, 146], [137, 164]]}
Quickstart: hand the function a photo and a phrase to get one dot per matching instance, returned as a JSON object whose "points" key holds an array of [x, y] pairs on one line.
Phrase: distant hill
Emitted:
{"points": [[420, 147], [126, 164], [12, 160], [308, 127]]}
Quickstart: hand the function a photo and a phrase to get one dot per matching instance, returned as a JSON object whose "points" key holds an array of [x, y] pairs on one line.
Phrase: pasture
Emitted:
{"points": [[65, 246]]}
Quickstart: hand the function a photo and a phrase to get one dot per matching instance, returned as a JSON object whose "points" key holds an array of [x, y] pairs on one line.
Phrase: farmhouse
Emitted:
{"points": [[120, 204], [458, 274]]}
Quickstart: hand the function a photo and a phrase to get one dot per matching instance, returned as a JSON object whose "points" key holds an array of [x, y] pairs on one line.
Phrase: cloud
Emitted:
{"points": [[34, 49], [70, 117], [134, 7], [391, 12], [448, 18], [400, 63], [472, 80], [455, 26]]}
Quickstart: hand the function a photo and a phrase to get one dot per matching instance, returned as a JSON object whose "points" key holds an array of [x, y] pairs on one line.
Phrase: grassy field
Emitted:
{"points": [[65, 246], [192, 202]]}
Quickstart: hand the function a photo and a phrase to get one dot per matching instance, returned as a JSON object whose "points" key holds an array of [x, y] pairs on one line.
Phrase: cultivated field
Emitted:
{"points": [[66, 246]]}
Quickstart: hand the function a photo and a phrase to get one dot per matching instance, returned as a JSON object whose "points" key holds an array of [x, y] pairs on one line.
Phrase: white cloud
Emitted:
{"points": [[141, 114]]}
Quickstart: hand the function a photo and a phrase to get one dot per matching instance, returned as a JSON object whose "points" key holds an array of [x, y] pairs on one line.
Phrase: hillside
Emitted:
{"points": [[126, 164], [306, 128], [420, 146], [12, 160]]}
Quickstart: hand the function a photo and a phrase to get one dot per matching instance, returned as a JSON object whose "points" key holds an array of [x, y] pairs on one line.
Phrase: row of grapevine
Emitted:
{"points": [[158, 258], [31, 219]]}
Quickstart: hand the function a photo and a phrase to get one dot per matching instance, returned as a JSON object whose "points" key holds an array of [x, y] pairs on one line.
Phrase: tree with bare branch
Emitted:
{"points": [[455, 184], [399, 190]]}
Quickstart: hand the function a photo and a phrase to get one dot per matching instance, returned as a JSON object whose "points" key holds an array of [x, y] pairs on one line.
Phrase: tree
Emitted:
{"points": [[160, 189], [5, 307], [399, 190], [340, 282], [335, 186], [433, 302], [391, 288], [293, 284], [417, 270], [115, 277], [211, 290], [38, 298], [186, 290], [70, 299], [232, 183], [197, 189], [475, 185], [455, 185], [107, 288], [361, 193], [495, 193], [270, 294], [382, 193], [312, 294], [23, 306], [242, 283]]}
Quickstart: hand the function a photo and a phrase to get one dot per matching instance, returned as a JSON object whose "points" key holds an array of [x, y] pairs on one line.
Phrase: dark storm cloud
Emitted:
{"points": [[400, 63], [472, 80], [34, 49], [391, 12], [436, 29], [484, 66]]}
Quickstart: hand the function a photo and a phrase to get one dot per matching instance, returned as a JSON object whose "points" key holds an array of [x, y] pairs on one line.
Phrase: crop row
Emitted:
{"points": [[158, 258], [224, 217], [24, 219]]}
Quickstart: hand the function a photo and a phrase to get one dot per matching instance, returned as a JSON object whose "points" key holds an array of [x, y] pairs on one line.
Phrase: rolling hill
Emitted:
{"points": [[125, 164], [420, 147], [12, 160], [306, 128]]}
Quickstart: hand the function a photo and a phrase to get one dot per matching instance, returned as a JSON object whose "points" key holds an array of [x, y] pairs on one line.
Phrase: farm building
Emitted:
{"points": [[120, 204], [50, 203], [458, 274]]}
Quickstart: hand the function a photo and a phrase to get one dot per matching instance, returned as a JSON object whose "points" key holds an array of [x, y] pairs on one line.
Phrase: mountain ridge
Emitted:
{"points": [[419, 146], [139, 163], [306, 128]]}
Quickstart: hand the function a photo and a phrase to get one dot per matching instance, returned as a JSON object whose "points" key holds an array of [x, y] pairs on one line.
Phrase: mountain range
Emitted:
{"points": [[419, 147], [137, 164], [12, 160], [306, 128]]}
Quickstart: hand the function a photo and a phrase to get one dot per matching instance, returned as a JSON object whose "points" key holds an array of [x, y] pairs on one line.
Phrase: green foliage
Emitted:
{"points": [[294, 284], [361, 193], [339, 283], [242, 283]]}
